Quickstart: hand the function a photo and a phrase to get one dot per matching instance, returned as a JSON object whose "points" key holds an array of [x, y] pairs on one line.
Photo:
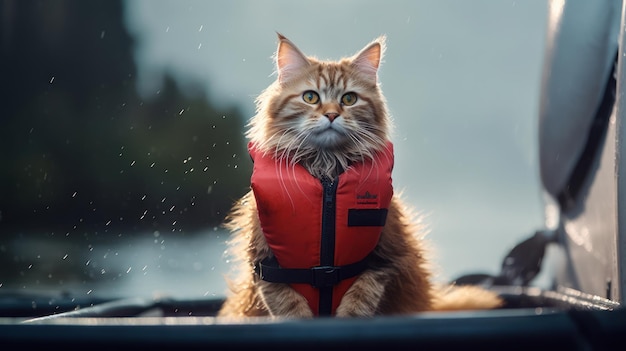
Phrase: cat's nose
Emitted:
{"points": [[331, 115]]}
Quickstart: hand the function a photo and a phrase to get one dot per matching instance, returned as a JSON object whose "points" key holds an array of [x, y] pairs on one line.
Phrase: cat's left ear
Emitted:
{"points": [[289, 60], [368, 60]]}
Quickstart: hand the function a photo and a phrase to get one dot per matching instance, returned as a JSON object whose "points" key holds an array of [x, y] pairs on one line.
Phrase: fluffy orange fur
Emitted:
{"points": [[326, 115]]}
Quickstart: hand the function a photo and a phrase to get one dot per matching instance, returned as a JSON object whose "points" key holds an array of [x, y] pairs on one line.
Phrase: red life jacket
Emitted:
{"points": [[322, 233]]}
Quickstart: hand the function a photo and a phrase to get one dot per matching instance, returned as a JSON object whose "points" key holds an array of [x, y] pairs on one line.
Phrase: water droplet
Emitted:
{"points": [[200, 29], [181, 112], [51, 79], [74, 195], [64, 257]]}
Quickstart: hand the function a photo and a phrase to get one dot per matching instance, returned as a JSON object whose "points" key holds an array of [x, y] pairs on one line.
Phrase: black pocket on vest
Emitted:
{"points": [[370, 217]]}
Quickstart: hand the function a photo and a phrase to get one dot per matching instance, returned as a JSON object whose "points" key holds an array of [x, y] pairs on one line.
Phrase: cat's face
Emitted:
{"points": [[314, 108]]}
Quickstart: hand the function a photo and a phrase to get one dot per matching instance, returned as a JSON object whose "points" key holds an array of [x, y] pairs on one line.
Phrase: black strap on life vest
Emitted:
{"points": [[319, 277]]}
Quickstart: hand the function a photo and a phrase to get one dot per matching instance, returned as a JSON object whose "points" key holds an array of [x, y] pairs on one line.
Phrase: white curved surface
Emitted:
{"points": [[580, 49]]}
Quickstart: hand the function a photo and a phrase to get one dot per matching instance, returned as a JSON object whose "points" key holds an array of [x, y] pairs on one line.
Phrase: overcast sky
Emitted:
{"points": [[461, 79]]}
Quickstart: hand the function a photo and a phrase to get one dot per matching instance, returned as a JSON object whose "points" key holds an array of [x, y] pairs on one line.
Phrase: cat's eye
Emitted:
{"points": [[310, 97], [348, 99]]}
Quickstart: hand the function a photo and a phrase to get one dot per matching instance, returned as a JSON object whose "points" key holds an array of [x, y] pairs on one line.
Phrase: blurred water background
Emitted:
{"points": [[122, 133]]}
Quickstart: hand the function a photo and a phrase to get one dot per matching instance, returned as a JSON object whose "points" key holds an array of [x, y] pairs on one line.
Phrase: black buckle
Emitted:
{"points": [[325, 276]]}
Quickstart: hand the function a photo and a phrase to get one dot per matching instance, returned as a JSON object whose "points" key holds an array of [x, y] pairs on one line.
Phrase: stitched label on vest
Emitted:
{"points": [[367, 198]]}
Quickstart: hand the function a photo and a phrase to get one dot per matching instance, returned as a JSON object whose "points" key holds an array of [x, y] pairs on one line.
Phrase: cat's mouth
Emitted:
{"points": [[328, 134], [332, 127], [325, 125], [328, 137]]}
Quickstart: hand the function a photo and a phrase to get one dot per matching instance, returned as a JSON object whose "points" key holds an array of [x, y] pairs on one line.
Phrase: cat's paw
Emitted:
{"points": [[355, 310], [298, 312], [363, 297], [283, 301]]}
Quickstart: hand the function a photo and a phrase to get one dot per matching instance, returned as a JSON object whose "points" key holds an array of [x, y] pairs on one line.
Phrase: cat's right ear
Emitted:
{"points": [[289, 60], [368, 60]]}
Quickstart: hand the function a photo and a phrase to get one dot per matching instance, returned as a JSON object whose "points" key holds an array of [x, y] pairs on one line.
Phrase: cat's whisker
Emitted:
{"points": [[289, 150], [299, 148], [277, 145], [364, 154], [282, 180], [362, 142], [372, 134]]}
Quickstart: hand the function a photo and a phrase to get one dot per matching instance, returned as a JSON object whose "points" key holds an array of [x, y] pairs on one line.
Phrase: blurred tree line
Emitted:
{"points": [[81, 151]]}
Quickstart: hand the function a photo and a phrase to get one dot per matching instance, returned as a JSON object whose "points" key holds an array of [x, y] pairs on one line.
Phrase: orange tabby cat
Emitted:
{"points": [[330, 119]]}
